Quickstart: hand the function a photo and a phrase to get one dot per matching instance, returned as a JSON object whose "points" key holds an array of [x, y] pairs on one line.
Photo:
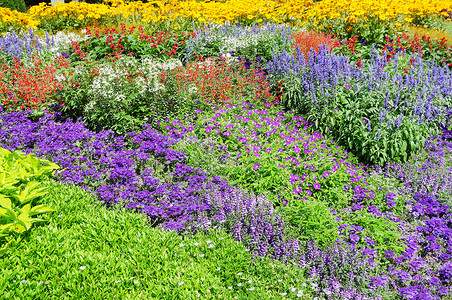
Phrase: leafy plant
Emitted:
{"points": [[20, 190]]}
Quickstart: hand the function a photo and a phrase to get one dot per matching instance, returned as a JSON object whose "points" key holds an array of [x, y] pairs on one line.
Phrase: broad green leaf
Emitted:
{"points": [[5, 201], [39, 209]]}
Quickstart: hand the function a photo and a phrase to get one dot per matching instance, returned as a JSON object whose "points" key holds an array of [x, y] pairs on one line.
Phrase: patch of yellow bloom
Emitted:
{"points": [[15, 17], [230, 10], [334, 9], [217, 12]]}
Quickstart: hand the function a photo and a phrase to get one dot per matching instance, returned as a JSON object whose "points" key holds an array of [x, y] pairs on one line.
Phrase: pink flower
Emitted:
{"points": [[309, 192], [348, 87], [256, 166], [317, 185]]}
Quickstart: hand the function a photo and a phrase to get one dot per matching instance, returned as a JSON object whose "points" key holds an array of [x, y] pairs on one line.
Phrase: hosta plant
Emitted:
{"points": [[20, 191]]}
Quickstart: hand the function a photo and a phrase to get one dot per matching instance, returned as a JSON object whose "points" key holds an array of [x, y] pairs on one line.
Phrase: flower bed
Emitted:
{"points": [[333, 162]]}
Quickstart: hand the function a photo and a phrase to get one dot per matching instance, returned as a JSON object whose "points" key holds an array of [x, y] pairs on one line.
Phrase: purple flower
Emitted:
{"points": [[354, 238], [316, 185], [256, 166], [348, 87], [389, 254]]}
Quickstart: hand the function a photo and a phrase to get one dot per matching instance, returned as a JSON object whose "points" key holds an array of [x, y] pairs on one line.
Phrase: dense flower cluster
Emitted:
{"points": [[20, 47], [329, 82], [80, 14], [238, 40], [353, 10]]}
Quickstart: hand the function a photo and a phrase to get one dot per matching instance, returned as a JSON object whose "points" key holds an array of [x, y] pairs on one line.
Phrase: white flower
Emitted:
{"points": [[82, 267], [239, 274], [181, 283], [239, 284]]}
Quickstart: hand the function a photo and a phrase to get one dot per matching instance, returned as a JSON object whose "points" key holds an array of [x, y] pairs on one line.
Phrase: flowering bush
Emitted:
{"points": [[14, 46], [217, 82], [433, 50], [240, 41], [311, 40], [31, 85], [132, 41], [349, 101], [371, 20], [121, 95]]}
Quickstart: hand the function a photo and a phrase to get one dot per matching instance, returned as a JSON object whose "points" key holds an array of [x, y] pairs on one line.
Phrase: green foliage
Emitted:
{"points": [[18, 5], [20, 191], [313, 219], [102, 253]]}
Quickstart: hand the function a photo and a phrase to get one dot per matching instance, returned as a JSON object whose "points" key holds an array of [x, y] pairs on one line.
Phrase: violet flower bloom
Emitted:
{"points": [[256, 166]]}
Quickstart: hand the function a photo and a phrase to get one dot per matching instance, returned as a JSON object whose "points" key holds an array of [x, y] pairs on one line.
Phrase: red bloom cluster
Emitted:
{"points": [[113, 42], [29, 86], [311, 39], [219, 82]]}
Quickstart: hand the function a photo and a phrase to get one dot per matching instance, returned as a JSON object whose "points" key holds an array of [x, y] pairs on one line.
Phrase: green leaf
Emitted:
{"points": [[5, 201]]}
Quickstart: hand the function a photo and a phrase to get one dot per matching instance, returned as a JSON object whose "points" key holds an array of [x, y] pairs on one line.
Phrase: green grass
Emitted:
{"points": [[87, 251]]}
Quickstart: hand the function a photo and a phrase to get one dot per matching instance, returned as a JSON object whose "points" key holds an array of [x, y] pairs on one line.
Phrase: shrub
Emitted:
{"points": [[18, 5]]}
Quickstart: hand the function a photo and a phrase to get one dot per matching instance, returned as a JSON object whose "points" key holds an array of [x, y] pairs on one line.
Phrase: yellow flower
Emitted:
{"points": [[397, 24], [65, 15], [408, 19], [81, 17]]}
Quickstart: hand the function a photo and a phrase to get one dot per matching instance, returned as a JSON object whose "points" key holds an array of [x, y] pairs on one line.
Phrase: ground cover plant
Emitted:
{"points": [[297, 150]]}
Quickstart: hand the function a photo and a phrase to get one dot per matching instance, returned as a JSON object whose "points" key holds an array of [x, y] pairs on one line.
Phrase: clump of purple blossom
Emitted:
{"points": [[20, 47]]}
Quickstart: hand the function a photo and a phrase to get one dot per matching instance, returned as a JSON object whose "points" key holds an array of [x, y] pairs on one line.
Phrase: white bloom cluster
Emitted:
{"points": [[111, 82], [234, 38]]}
